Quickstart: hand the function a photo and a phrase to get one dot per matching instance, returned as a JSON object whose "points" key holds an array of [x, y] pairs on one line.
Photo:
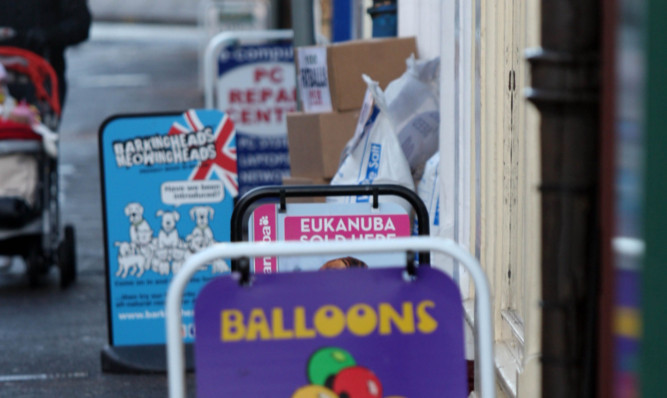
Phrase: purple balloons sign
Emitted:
{"points": [[355, 333]]}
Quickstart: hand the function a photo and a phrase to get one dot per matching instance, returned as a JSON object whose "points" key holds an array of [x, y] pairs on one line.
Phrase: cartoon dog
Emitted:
{"points": [[145, 244], [168, 236], [200, 215], [179, 258], [219, 266], [135, 212], [129, 261], [195, 242], [202, 236], [169, 244], [167, 239], [160, 262]]}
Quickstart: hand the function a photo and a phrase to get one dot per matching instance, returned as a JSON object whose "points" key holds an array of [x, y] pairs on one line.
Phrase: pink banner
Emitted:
{"points": [[265, 230], [352, 227]]}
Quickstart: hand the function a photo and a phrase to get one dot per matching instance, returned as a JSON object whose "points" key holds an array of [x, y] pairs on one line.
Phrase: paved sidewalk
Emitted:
{"points": [[162, 11], [118, 31]]}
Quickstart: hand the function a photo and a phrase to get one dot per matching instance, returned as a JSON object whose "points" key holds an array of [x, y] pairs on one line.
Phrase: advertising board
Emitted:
{"points": [[256, 88], [355, 333], [315, 222], [168, 182]]}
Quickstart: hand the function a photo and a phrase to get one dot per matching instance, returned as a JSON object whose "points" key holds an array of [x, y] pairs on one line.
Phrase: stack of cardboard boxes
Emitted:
{"points": [[331, 93]]}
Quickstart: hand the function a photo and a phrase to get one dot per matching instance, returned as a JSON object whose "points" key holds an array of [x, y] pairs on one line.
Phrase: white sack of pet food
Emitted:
{"points": [[428, 190], [373, 155], [413, 106]]}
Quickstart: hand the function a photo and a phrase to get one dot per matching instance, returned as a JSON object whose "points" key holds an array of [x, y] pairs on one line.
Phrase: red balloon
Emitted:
{"points": [[357, 382]]}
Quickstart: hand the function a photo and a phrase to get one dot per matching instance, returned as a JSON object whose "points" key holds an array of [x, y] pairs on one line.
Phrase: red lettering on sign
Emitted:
{"points": [[261, 95], [245, 116], [251, 115], [251, 96], [234, 96], [263, 115], [285, 96], [275, 74], [279, 114], [315, 97], [266, 94]]}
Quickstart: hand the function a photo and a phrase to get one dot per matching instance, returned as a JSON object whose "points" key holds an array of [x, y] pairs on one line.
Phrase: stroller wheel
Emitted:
{"points": [[67, 258]]}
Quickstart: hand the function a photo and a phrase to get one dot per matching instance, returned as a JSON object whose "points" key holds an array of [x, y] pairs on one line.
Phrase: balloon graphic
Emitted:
{"points": [[357, 382], [327, 362], [313, 391]]}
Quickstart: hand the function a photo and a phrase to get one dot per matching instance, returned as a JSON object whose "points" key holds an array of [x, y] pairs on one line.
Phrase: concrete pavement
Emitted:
{"points": [[51, 339], [169, 11]]}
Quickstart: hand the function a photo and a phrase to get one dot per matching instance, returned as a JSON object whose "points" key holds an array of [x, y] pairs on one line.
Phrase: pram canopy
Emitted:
{"points": [[30, 79], [39, 72]]}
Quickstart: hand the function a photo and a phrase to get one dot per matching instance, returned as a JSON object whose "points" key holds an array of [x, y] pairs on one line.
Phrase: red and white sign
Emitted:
{"points": [[265, 230], [313, 80], [347, 227], [258, 96], [327, 222]]}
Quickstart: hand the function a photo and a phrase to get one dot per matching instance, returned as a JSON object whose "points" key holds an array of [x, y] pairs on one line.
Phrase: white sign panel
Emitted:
{"points": [[314, 80]]}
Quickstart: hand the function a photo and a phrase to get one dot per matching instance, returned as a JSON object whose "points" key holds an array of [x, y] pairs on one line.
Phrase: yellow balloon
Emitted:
{"points": [[314, 391]]}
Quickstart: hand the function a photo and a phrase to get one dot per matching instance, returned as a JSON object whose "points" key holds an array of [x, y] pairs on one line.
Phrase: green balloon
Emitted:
{"points": [[327, 362]]}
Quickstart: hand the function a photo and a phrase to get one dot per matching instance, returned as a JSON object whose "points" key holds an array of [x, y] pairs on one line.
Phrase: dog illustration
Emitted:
{"points": [[202, 236], [168, 236], [135, 212], [129, 261], [200, 215], [145, 244], [160, 263], [195, 242], [170, 246], [219, 266], [179, 258]]}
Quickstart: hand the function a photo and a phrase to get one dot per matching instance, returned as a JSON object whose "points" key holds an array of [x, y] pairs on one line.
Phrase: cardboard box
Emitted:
{"points": [[294, 180], [316, 141], [381, 59], [306, 181]]}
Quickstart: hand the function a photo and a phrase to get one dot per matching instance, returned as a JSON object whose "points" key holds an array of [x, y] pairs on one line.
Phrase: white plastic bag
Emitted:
{"points": [[373, 155], [428, 190], [413, 105]]}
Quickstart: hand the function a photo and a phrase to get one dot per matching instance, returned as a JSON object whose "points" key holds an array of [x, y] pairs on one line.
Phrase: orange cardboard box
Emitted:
{"points": [[383, 60], [306, 181], [316, 141]]}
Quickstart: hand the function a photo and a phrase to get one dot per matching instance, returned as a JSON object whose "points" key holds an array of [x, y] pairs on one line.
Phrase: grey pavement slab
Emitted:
{"points": [[50, 339], [173, 11]]}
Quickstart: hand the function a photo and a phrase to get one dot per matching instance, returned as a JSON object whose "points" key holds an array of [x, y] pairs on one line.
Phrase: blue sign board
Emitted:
{"points": [[169, 181], [256, 88]]}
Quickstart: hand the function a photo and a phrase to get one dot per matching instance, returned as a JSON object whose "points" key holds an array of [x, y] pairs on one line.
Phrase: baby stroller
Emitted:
{"points": [[29, 197]]}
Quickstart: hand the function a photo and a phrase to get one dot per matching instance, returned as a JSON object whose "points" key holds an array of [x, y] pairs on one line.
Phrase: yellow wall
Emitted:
{"points": [[509, 236], [499, 130]]}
